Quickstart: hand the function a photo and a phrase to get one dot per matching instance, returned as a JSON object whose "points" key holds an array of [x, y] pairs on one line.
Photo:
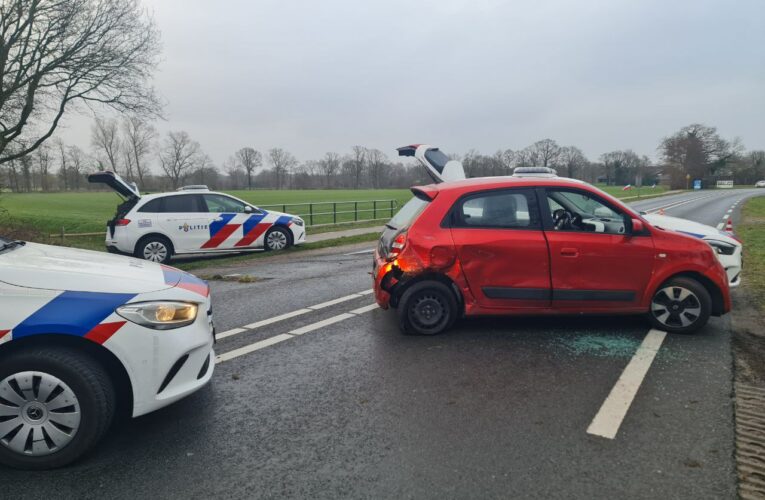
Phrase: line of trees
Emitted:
{"points": [[132, 148]]}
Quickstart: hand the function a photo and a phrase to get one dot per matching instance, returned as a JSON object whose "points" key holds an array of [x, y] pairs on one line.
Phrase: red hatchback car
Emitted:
{"points": [[539, 245]]}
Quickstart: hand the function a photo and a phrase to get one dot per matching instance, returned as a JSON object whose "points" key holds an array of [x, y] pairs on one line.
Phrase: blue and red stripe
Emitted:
{"points": [[220, 230]]}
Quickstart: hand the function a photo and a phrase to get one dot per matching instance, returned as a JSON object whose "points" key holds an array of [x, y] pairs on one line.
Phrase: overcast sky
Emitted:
{"points": [[313, 77]]}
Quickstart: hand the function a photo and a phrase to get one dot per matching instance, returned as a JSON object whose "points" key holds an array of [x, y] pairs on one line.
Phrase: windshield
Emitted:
{"points": [[408, 213]]}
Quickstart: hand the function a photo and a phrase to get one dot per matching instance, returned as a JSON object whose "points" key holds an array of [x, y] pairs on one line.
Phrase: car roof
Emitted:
{"points": [[507, 181], [149, 197]]}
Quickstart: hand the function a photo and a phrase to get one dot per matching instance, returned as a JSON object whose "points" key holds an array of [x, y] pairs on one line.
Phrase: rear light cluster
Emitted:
{"points": [[399, 242], [122, 222]]}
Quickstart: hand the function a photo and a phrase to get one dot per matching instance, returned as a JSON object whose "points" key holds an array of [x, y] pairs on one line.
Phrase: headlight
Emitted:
{"points": [[298, 221], [721, 247], [159, 315]]}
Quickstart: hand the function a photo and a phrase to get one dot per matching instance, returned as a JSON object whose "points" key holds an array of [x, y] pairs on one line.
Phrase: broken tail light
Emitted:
{"points": [[397, 246]]}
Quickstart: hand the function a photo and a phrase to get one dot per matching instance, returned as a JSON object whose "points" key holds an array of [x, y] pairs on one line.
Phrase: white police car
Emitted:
{"points": [[83, 333], [157, 226]]}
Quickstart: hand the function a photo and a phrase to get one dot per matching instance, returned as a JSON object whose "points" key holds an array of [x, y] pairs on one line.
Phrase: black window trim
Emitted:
{"points": [[448, 221], [197, 201], [546, 215]]}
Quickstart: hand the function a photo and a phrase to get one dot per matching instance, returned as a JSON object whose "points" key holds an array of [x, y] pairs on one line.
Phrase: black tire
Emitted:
{"points": [[146, 245], [95, 399], [275, 237], [681, 305], [427, 308]]}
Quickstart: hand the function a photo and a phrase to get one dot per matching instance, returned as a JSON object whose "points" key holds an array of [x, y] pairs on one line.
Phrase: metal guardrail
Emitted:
{"points": [[319, 213], [316, 214]]}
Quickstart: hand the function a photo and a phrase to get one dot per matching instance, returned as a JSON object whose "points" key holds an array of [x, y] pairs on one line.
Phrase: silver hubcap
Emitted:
{"points": [[155, 252], [276, 240], [39, 414], [676, 306]]}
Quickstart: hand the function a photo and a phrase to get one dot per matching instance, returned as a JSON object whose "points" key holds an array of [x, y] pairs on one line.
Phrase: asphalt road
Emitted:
{"points": [[351, 408]]}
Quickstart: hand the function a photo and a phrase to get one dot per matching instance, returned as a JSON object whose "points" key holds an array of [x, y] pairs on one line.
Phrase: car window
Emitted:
{"points": [[181, 203], [503, 209], [152, 207], [408, 213], [577, 211], [218, 203]]}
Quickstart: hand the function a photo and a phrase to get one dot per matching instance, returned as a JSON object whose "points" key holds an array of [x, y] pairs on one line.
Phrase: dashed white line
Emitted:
{"points": [[720, 225], [252, 347], [276, 319], [229, 333], [726, 216], [362, 310], [610, 416], [731, 210], [335, 301], [322, 324], [366, 292]]}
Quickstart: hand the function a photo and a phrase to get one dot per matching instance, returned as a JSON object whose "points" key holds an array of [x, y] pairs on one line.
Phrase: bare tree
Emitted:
{"points": [[139, 142], [573, 160], [329, 166], [63, 162], [76, 164], [43, 165], [545, 153], [54, 54], [377, 162], [357, 163], [282, 163], [179, 156], [249, 159], [697, 151], [105, 139]]}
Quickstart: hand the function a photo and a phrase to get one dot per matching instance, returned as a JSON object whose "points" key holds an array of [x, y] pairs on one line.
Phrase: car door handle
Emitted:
{"points": [[569, 252]]}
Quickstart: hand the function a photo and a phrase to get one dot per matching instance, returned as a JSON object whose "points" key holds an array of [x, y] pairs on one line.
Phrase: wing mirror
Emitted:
{"points": [[248, 209], [637, 226]]}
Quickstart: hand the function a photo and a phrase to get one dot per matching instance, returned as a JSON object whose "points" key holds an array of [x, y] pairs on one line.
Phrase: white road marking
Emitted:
{"points": [[291, 314], [335, 301], [369, 250], [726, 216], [677, 204], [610, 416], [720, 225], [229, 333], [276, 319], [362, 310], [322, 324], [731, 210], [252, 348]]}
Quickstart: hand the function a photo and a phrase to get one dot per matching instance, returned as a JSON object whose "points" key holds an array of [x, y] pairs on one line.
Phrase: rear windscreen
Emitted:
{"points": [[436, 158], [408, 213]]}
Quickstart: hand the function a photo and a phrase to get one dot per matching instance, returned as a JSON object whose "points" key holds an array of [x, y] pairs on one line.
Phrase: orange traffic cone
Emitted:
{"points": [[729, 226]]}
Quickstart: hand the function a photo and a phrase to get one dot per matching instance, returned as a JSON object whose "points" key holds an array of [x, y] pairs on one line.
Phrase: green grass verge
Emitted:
{"points": [[751, 230], [213, 262]]}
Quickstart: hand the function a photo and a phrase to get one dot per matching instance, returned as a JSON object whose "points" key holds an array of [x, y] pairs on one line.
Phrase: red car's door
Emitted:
{"points": [[595, 266], [502, 249]]}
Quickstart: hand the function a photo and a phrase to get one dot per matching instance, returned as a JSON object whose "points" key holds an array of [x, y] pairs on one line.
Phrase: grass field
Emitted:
{"points": [[751, 230], [85, 212]]}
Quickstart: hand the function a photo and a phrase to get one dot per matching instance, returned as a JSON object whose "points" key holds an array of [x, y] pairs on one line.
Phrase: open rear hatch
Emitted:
{"points": [[128, 191], [438, 166]]}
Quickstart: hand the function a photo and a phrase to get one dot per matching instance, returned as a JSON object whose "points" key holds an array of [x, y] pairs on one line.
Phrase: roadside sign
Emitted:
{"points": [[696, 183], [725, 184]]}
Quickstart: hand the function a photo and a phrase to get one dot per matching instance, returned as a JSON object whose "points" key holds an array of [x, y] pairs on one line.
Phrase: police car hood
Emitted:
{"points": [[689, 227], [58, 268]]}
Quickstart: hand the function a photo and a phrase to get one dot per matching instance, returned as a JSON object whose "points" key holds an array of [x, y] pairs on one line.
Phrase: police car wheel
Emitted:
{"points": [[55, 405], [427, 308], [155, 249], [276, 239], [681, 305]]}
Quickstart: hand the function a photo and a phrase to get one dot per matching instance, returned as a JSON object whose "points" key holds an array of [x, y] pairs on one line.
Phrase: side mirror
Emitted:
{"points": [[637, 226], [248, 209]]}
